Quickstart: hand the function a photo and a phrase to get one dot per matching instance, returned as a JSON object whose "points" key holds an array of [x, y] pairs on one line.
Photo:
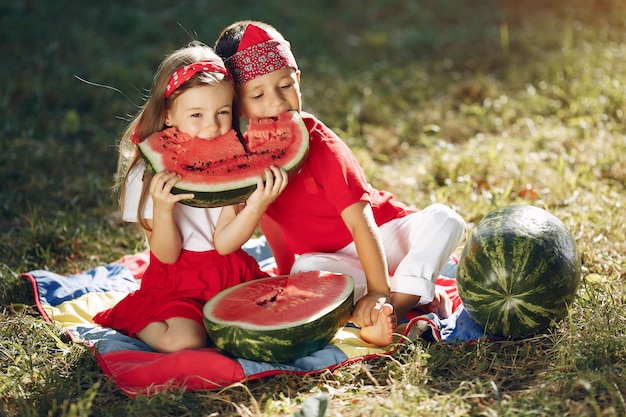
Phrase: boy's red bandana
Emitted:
{"points": [[258, 54], [183, 74]]}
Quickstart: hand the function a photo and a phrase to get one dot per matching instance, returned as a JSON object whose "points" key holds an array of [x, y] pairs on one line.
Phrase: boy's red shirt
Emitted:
{"points": [[309, 209]]}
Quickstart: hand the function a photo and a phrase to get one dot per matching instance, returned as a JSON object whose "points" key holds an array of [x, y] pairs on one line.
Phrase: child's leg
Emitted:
{"points": [[441, 304], [417, 248], [341, 263], [384, 317], [173, 334]]}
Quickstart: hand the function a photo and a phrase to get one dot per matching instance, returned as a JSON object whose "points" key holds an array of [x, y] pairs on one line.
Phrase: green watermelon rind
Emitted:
{"points": [[519, 241], [228, 192], [217, 198], [285, 342]]}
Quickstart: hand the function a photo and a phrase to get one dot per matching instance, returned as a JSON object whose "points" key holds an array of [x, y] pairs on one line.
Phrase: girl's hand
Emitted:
{"points": [[161, 190], [266, 193], [364, 313]]}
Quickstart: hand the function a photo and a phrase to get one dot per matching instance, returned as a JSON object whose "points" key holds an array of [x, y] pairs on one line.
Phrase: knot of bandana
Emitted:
{"points": [[135, 137], [183, 74], [259, 54]]}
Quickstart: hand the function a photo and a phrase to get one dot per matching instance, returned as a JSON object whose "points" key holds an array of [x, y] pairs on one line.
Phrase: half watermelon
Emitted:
{"points": [[224, 171], [279, 319]]}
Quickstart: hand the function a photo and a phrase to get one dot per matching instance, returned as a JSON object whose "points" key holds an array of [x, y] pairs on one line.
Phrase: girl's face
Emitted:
{"points": [[205, 111], [270, 95]]}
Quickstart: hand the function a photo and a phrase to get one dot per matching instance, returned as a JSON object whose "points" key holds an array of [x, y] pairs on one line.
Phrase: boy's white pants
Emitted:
{"points": [[417, 248]]}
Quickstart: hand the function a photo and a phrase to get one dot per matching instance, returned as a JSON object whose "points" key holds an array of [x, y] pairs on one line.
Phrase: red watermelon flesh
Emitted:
{"points": [[271, 133], [279, 319], [280, 300], [193, 157], [221, 171]]}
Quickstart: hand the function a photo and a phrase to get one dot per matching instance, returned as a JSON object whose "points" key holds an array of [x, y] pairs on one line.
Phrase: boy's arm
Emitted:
{"points": [[359, 220]]}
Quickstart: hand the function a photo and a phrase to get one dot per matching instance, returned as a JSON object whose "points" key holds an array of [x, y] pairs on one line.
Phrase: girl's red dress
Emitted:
{"points": [[179, 290]]}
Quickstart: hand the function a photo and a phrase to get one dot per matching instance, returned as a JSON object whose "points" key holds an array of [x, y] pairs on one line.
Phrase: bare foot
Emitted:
{"points": [[441, 304], [381, 332]]}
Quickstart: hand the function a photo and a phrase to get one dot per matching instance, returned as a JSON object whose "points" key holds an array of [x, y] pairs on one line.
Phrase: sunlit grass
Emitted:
{"points": [[474, 106]]}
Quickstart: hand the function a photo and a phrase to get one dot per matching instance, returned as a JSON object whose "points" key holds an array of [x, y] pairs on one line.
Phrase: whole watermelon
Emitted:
{"points": [[519, 272]]}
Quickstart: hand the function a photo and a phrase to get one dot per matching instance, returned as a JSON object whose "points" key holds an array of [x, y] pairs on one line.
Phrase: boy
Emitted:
{"points": [[329, 217]]}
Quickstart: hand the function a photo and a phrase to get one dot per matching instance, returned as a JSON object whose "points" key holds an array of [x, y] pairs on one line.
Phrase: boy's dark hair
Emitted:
{"points": [[228, 41]]}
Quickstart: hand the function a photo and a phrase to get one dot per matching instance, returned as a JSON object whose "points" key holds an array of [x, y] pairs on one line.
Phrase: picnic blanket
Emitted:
{"points": [[71, 301]]}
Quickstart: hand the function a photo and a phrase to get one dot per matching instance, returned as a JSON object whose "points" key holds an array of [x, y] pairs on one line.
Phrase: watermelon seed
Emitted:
{"points": [[264, 302]]}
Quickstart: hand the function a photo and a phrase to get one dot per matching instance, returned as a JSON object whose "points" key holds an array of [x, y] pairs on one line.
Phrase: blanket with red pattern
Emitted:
{"points": [[71, 301]]}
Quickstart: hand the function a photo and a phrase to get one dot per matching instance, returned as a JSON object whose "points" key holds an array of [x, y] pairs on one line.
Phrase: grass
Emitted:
{"points": [[476, 105]]}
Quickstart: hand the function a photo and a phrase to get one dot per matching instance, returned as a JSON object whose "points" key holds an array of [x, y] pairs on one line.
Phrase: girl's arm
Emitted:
{"points": [[359, 220], [164, 239], [234, 228]]}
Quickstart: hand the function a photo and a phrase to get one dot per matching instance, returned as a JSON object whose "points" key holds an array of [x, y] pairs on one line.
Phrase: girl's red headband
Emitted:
{"points": [[183, 74], [259, 54]]}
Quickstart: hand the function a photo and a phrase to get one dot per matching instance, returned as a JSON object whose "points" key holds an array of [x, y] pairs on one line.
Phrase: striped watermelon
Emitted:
{"points": [[279, 319], [224, 170], [519, 272]]}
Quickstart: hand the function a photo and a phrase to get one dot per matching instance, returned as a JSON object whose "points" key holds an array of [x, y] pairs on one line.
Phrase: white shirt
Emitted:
{"points": [[195, 225]]}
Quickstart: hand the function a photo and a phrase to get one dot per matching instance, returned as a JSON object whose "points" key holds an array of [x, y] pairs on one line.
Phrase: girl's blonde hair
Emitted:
{"points": [[151, 116]]}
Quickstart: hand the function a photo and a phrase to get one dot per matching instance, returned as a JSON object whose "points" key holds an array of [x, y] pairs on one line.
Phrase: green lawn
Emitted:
{"points": [[474, 104]]}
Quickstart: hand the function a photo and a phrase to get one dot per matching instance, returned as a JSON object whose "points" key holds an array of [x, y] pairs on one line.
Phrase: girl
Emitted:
{"points": [[328, 214], [193, 92]]}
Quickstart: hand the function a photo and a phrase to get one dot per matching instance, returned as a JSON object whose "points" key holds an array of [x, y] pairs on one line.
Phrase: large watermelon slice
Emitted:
{"points": [[223, 170], [519, 272], [279, 319]]}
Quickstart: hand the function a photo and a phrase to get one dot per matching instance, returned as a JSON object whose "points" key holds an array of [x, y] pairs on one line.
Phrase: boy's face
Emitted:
{"points": [[270, 95]]}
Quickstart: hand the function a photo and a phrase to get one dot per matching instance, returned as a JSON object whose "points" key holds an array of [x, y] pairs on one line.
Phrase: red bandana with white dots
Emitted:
{"points": [[183, 74], [258, 54]]}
